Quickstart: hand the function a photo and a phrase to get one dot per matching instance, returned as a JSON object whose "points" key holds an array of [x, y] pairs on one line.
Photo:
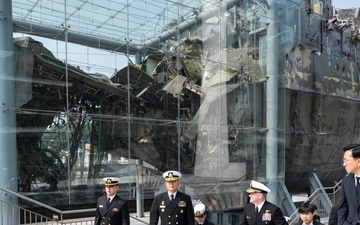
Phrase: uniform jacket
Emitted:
{"points": [[116, 214], [348, 204], [181, 212], [269, 214], [206, 222]]}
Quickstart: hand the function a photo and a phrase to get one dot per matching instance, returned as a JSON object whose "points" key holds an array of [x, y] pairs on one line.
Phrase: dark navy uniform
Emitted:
{"points": [[113, 211], [206, 222], [200, 214], [180, 212], [117, 213], [269, 214]]}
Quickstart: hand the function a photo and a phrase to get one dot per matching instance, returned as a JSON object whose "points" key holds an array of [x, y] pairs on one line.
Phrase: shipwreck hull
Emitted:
{"points": [[322, 99], [322, 104], [317, 129], [201, 108]]}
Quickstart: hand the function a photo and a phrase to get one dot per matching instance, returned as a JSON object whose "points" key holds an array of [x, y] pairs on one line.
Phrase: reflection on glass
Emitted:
{"points": [[195, 102]]}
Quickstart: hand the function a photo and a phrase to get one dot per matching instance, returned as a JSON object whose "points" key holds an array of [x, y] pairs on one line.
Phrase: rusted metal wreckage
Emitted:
{"points": [[321, 89]]}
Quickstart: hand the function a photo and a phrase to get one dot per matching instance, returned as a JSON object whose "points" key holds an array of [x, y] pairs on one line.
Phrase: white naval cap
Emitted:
{"points": [[257, 187], [199, 210], [171, 175], [111, 181]]}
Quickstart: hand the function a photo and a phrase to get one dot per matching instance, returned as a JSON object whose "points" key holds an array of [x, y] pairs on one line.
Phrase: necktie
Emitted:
{"points": [[357, 187], [172, 199], [108, 202], [257, 209]]}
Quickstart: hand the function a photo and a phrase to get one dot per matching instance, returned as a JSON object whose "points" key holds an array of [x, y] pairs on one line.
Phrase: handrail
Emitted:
{"points": [[313, 196], [325, 188], [55, 218], [47, 206], [58, 215], [30, 200]]}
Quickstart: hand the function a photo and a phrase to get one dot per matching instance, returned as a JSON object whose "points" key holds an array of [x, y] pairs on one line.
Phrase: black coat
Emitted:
{"points": [[116, 214], [315, 222], [316, 218], [269, 214], [333, 217], [348, 204], [181, 212]]}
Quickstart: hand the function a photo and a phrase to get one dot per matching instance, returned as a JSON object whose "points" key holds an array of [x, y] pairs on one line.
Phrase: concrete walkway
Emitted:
{"points": [[134, 220]]}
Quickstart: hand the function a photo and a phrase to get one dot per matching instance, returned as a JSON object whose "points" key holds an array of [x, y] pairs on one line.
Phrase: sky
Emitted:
{"points": [[346, 4], [92, 60]]}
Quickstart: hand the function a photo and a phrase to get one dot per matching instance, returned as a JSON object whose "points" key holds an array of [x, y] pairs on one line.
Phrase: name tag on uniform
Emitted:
{"points": [[162, 206], [101, 206]]}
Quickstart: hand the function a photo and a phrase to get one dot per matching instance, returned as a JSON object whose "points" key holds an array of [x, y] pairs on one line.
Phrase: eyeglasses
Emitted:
{"points": [[348, 160]]}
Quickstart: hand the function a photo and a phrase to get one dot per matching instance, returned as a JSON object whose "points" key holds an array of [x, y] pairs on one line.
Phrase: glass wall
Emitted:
{"points": [[202, 93]]}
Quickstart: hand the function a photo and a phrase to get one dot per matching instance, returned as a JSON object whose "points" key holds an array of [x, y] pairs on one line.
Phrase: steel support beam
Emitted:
{"points": [[118, 46], [8, 151], [272, 90]]}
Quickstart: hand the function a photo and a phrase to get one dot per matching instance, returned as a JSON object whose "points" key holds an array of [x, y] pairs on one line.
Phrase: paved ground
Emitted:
{"points": [[134, 220]]}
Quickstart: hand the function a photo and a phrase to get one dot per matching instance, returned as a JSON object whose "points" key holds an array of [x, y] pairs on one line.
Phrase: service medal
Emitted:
{"points": [[182, 204], [266, 216]]}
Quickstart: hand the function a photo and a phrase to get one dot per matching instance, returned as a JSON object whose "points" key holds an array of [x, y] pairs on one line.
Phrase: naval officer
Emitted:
{"points": [[200, 214], [111, 209], [259, 211], [172, 206]]}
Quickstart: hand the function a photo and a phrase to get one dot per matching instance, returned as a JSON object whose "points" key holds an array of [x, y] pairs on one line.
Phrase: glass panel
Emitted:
{"points": [[193, 93]]}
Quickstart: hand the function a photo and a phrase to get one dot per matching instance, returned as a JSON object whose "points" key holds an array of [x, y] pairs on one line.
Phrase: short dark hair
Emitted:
{"points": [[355, 150], [307, 207]]}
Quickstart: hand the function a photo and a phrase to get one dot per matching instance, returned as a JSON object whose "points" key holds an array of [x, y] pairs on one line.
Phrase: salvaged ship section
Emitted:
{"points": [[41, 86], [186, 84], [322, 97], [323, 101]]}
